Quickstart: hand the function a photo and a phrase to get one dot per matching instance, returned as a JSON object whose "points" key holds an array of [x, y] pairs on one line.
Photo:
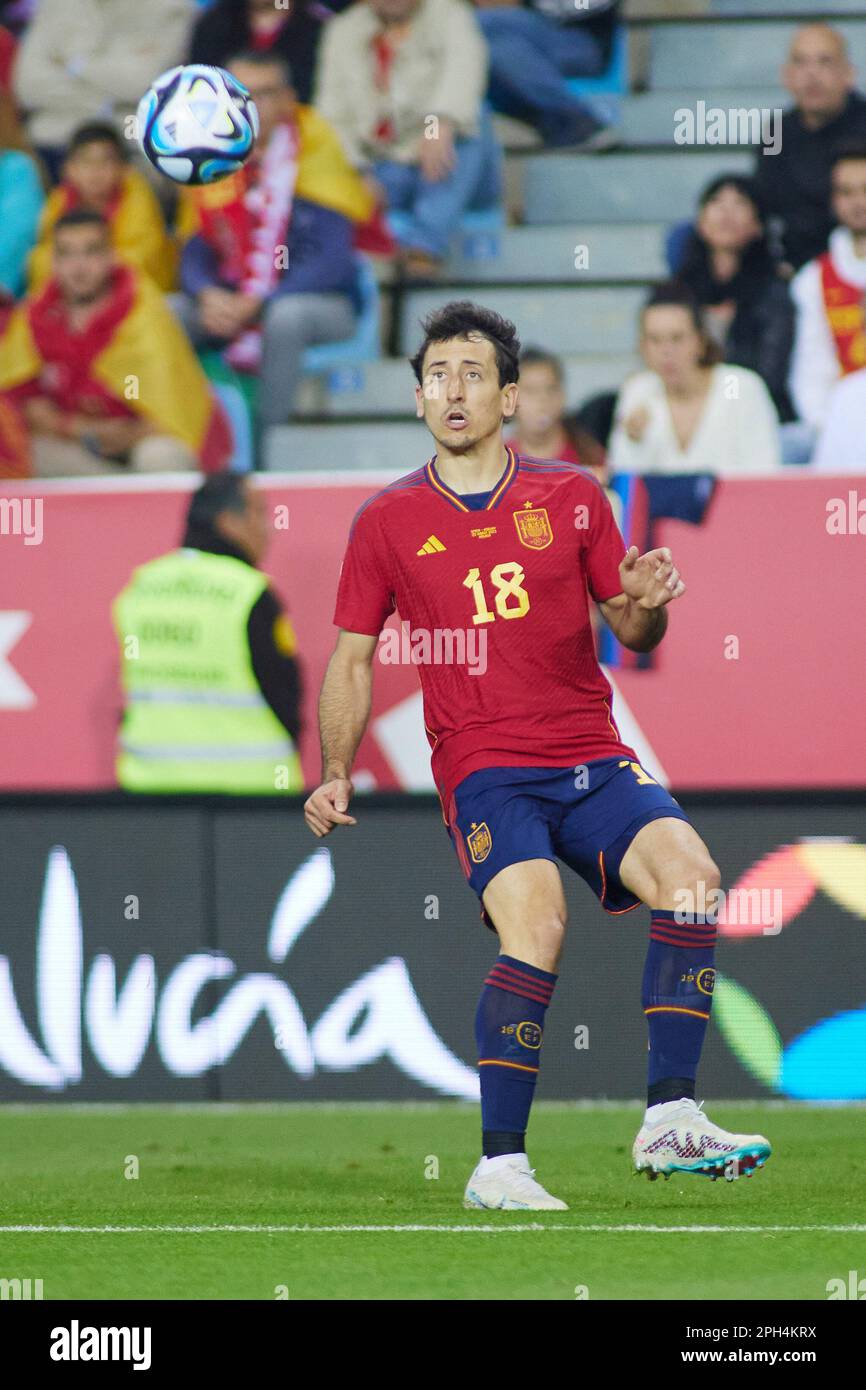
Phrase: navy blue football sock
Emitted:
{"points": [[677, 993], [508, 1030]]}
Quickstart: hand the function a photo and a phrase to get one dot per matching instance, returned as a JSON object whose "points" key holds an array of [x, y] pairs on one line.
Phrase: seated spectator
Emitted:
{"points": [[687, 413], [270, 268], [543, 430], [841, 444], [402, 82], [795, 183], [101, 372], [234, 26], [728, 269], [535, 46], [830, 338], [21, 200], [97, 175], [92, 59]]}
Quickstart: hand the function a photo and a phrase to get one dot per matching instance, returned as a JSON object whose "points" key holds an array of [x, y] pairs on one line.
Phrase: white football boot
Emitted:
{"points": [[681, 1139], [507, 1183]]}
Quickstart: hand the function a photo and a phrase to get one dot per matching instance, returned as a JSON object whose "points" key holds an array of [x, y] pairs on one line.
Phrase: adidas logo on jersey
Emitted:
{"points": [[432, 546]]}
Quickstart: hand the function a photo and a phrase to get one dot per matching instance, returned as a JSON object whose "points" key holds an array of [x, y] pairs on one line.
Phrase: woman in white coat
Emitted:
{"points": [[688, 412]]}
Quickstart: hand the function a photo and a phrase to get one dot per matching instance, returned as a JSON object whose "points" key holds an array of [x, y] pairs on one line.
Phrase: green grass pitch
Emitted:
{"points": [[784, 1233]]}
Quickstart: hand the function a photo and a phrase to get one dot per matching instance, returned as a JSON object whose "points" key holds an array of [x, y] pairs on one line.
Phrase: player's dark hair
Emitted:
{"points": [[263, 58], [540, 357], [80, 217], [460, 318], [673, 294], [850, 152], [98, 133], [222, 492]]}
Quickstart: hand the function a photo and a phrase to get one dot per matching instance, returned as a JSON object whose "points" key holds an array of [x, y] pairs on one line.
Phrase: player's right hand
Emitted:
{"points": [[327, 806]]}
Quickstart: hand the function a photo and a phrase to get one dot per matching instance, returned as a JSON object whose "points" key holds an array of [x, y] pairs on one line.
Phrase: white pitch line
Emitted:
{"points": [[446, 1230]]}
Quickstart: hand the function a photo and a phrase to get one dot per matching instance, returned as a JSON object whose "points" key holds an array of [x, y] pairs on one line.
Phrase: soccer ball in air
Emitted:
{"points": [[197, 123]]}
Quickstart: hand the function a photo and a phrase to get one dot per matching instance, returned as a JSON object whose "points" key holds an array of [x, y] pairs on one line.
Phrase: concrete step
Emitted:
{"points": [[373, 447], [386, 388], [577, 252], [586, 321], [659, 187], [723, 55], [651, 118]]}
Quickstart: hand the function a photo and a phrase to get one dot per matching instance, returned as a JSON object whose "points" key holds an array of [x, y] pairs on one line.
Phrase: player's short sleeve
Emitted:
{"points": [[364, 596], [604, 549]]}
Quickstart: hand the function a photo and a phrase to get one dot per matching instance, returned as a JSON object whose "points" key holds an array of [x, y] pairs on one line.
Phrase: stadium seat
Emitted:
{"points": [[479, 233], [603, 94], [365, 343]]}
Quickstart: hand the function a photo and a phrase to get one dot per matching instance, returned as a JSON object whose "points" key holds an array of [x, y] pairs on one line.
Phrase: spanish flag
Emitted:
{"points": [[148, 364]]}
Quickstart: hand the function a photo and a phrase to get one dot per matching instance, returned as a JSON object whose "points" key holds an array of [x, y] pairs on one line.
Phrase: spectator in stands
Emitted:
{"points": [[221, 712], [92, 60], [728, 268], [21, 199], [795, 183], [687, 413], [543, 430], [841, 444], [402, 82], [270, 268], [100, 370], [535, 47], [830, 339], [97, 175], [234, 26]]}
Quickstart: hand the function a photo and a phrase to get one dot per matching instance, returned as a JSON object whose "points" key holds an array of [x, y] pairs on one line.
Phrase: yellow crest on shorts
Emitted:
{"points": [[480, 842], [533, 528]]}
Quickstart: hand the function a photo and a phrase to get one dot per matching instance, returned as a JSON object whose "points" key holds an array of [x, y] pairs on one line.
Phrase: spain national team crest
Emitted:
{"points": [[533, 528], [479, 841]]}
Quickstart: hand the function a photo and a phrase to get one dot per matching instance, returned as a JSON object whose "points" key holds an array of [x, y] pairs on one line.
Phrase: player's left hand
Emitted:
{"points": [[652, 580]]}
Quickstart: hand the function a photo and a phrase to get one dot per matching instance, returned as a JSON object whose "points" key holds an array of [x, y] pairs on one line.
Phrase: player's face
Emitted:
{"points": [[95, 172], [540, 401], [670, 343], [818, 74], [460, 398], [82, 263], [728, 222], [849, 194]]}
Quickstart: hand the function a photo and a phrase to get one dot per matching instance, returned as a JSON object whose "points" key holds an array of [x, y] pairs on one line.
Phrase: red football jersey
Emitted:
{"points": [[494, 610]]}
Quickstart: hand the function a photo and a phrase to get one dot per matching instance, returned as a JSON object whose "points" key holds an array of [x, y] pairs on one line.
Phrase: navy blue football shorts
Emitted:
{"points": [[585, 816]]}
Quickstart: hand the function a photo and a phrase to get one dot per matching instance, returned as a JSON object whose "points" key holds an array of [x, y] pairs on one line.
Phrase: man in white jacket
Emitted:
{"points": [[828, 293], [83, 60]]}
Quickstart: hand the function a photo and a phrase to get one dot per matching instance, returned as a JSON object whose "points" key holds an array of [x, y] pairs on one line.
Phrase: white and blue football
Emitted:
{"points": [[196, 124]]}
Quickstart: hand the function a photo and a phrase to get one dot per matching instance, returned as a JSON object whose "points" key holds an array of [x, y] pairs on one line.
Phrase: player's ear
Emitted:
{"points": [[509, 400], [419, 403]]}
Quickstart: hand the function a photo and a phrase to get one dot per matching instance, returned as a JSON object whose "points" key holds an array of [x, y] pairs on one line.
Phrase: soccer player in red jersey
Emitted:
{"points": [[486, 552]]}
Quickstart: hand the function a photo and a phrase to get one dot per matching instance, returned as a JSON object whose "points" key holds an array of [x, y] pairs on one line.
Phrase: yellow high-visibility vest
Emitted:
{"points": [[195, 718]]}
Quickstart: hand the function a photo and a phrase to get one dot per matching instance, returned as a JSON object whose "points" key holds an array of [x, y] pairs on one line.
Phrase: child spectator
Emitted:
{"points": [[543, 429], [228, 27], [97, 175]]}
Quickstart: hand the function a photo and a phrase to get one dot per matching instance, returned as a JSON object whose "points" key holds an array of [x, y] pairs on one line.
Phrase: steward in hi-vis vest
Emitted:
{"points": [[210, 676]]}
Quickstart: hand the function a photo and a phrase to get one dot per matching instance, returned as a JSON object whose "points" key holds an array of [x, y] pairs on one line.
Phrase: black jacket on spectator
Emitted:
{"points": [[223, 31], [795, 183], [762, 330]]}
